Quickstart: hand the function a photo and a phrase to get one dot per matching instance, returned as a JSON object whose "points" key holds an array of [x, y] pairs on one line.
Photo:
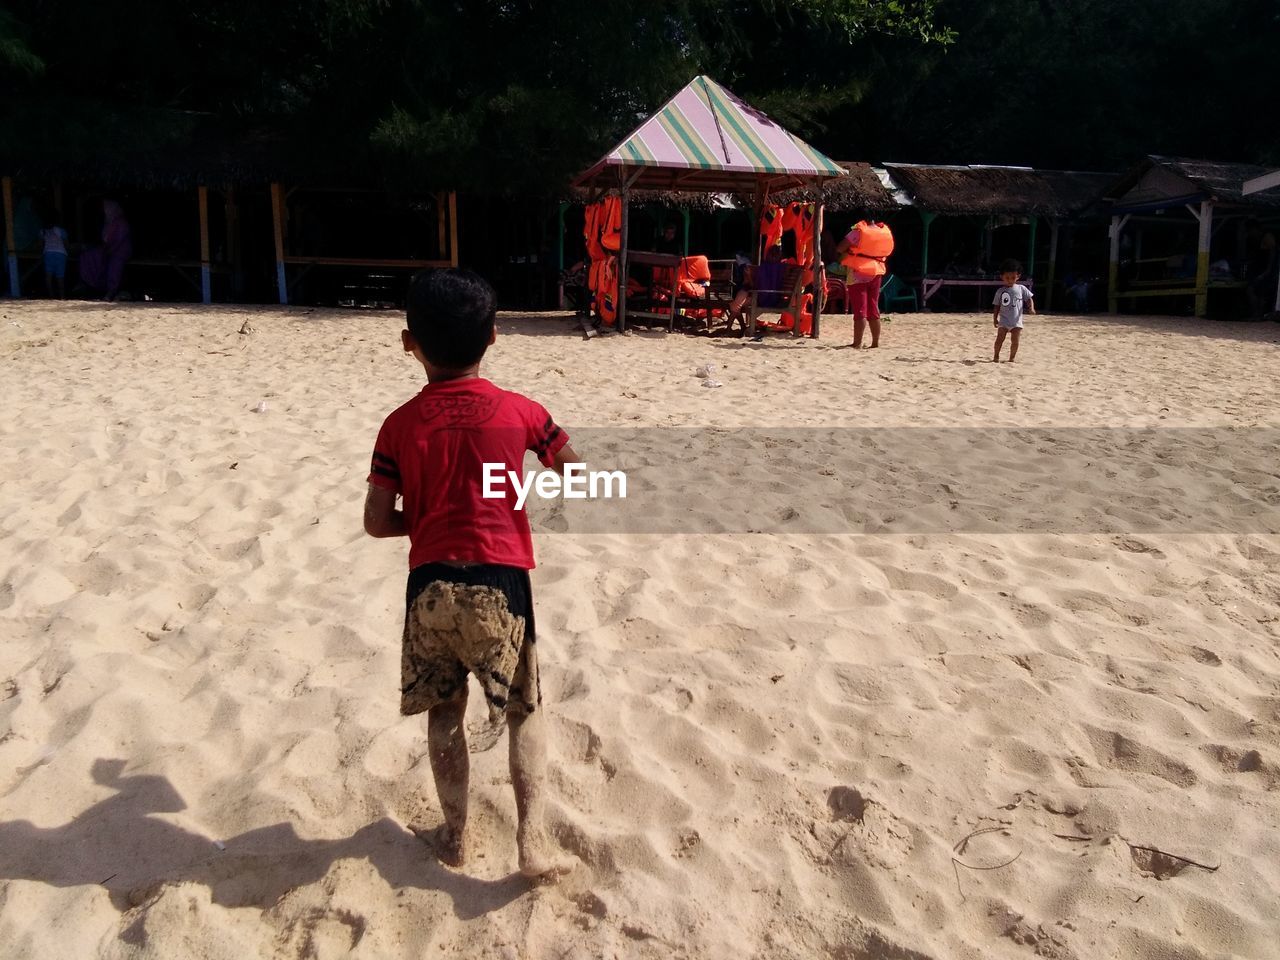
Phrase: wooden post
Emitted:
{"points": [[235, 254], [819, 273], [10, 246], [563, 205], [1031, 249], [927, 218], [1053, 263], [442, 225], [1202, 258], [757, 209], [453, 228], [1113, 264], [206, 278], [622, 261], [277, 220], [685, 214]]}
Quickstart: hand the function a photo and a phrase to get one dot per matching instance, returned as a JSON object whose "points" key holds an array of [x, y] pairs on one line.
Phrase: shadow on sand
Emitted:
{"points": [[119, 845]]}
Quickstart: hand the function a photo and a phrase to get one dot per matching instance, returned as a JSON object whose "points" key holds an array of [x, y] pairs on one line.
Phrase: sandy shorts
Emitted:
{"points": [[469, 620]]}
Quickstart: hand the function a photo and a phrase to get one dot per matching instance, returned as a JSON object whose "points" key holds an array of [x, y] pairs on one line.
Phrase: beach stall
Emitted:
{"points": [[981, 200], [311, 224], [1183, 228], [703, 140]]}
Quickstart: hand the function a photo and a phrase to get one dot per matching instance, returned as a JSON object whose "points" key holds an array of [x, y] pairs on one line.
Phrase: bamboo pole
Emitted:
{"points": [[453, 228], [819, 275], [15, 286], [685, 214], [206, 278], [277, 221]]}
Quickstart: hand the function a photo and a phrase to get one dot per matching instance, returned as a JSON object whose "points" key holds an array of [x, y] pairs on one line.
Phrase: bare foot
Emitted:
{"points": [[873, 346], [539, 860], [449, 846]]}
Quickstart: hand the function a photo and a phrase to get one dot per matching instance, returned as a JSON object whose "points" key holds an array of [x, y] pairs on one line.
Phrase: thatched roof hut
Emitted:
{"points": [[863, 188], [1158, 182], [996, 191]]}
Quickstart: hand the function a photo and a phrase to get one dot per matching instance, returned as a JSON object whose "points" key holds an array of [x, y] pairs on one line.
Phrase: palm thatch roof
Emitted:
{"points": [[1158, 181], [991, 190], [863, 188]]}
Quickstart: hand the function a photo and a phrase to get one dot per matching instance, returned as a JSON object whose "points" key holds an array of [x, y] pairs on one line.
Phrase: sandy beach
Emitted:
{"points": [[927, 743]]}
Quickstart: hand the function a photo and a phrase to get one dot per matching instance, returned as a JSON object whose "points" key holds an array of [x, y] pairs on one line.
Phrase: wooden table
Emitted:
{"points": [[931, 285]]}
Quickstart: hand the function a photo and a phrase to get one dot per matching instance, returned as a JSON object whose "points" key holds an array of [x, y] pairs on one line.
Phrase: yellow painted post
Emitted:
{"points": [[206, 284], [453, 228], [277, 220], [15, 286], [1202, 258]]}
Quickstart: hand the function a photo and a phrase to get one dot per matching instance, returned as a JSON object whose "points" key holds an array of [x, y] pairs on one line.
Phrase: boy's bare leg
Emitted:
{"points": [[1000, 334], [447, 744], [1013, 344], [859, 327], [874, 324], [528, 758]]}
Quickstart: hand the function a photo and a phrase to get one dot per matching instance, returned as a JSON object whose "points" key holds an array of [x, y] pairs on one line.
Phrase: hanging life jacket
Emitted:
{"points": [[591, 232], [798, 218], [607, 291], [866, 258], [611, 223], [771, 226]]}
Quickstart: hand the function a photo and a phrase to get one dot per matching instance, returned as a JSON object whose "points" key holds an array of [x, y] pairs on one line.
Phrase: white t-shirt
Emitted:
{"points": [[55, 239]]}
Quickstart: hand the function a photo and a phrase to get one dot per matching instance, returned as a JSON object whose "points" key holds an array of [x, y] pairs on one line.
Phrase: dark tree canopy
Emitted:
{"points": [[520, 94]]}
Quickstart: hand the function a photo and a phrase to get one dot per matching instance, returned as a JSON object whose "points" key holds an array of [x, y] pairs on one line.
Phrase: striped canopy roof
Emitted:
{"points": [[705, 138]]}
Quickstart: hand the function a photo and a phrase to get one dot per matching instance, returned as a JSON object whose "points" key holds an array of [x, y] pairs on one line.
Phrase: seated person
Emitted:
{"points": [[766, 278]]}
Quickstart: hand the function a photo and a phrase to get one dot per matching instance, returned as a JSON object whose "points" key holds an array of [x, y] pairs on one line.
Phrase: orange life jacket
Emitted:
{"points": [[591, 233], [788, 319], [798, 218], [611, 224], [771, 226], [866, 258], [607, 291]]}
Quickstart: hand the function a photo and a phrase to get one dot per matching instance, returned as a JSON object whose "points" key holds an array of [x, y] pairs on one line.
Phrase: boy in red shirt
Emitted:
{"points": [[468, 605]]}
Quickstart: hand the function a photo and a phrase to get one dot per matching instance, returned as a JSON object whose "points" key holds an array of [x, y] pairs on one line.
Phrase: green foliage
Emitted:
{"points": [[521, 94], [15, 55]]}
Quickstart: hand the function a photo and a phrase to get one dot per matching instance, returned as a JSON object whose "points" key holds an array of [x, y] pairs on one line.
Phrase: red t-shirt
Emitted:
{"points": [[432, 451]]}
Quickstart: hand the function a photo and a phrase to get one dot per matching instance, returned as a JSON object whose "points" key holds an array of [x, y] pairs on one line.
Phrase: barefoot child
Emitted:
{"points": [[468, 604], [1011, 301]]}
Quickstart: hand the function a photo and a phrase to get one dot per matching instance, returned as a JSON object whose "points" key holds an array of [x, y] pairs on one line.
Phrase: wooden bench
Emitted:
{"points": [[791, 294]]}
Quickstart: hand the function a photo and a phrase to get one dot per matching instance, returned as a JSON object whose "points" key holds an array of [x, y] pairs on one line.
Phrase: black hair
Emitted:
{"points": [[450, 313], [1011, 266]]}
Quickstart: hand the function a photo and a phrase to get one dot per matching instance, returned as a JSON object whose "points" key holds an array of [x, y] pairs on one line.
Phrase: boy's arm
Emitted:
{"points": [[565, 455], [381, 518], [995, 313]]}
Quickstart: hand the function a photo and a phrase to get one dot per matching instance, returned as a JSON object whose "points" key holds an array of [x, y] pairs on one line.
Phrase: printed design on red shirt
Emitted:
{"points": [[549, 434], [470, 409], [384, 466]]}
